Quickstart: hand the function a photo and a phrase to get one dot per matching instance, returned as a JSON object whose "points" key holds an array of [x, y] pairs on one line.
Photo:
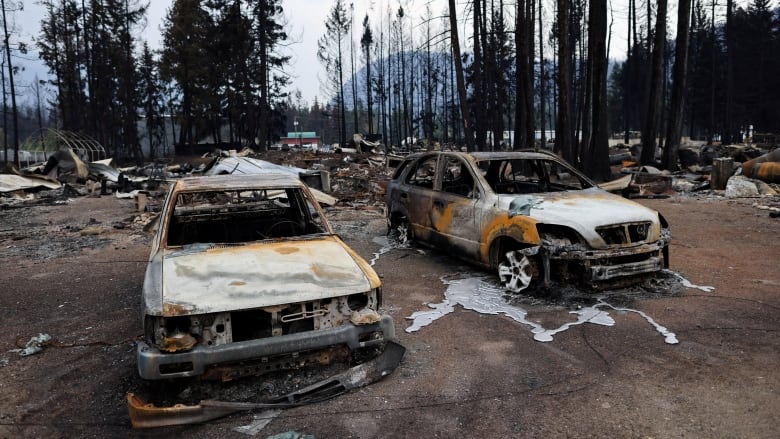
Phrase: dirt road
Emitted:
{"points": [[74, 271]]}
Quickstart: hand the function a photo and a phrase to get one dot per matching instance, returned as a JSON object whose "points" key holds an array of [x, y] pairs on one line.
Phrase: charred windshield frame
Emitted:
{"points": [[241, 215], [513, 176]]}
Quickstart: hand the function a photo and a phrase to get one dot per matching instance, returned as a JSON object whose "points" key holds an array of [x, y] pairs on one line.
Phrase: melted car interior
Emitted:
{"points": [[230, 217]]}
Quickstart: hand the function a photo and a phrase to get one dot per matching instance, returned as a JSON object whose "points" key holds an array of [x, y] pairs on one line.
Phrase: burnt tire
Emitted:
{"points": [[400, 231]]}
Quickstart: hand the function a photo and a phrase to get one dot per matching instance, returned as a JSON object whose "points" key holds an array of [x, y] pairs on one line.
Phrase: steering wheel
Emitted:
{"points": [[293, 227]]}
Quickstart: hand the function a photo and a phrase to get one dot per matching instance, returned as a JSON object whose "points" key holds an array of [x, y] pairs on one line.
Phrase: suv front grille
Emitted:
{"points": [[622, 234]]}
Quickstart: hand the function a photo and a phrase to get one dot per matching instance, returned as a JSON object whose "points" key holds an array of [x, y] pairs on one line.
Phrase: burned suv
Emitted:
{"points": [[526, 214], [246, 276]]}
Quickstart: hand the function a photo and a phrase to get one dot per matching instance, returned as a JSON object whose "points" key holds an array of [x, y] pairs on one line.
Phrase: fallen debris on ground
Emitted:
{"points": [[144, 415]]}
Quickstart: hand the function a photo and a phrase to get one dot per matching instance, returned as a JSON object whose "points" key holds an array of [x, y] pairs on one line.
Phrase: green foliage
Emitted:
{"points": [[331, 52], [223, 59], [89, 49]]}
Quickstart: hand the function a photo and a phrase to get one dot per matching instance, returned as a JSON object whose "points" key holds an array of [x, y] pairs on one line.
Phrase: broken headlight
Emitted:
{"points": [[172, 334]]}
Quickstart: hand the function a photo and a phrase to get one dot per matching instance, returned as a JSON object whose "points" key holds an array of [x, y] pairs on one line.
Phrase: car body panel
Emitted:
{"points": [[591, 208], [203, 278]]}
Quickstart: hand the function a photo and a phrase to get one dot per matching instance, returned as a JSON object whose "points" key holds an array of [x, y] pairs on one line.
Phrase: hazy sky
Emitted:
{"points": [[306, 24]]}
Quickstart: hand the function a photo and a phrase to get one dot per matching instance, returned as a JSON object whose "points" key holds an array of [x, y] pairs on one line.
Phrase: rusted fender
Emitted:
{"points": [[146, 415]]}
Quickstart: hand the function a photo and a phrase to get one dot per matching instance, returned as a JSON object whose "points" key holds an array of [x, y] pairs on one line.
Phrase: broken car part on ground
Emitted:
{"points": [[246, 276], [143, 415], [528, 215]]}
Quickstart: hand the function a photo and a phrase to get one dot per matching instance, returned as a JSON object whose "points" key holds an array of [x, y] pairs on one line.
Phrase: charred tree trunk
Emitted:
{"points": [[652, 117], [728, 125], [529, 83], [674, 129], [477, 80], [542, 94], [15, 116], [464, 105], [563, 134], [521, 77], [627, 83], [596, 160]]}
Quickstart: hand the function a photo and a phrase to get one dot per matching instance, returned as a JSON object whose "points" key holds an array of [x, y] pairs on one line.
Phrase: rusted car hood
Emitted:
{"points": [[204, 278], [582, 211]]}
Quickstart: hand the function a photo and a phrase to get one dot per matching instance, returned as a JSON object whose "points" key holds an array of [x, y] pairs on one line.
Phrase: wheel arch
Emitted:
{"points": [[502, 244], [395, 216]]}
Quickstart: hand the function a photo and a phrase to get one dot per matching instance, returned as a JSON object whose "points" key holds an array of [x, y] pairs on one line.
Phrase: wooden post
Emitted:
{"points": [[721, 171]]}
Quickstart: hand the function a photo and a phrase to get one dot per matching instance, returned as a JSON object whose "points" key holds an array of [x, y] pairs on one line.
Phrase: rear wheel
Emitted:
{"points": [[515, 271], [400, 231]]}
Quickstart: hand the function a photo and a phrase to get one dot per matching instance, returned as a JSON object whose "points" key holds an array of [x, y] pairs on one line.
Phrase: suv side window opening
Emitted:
{"points": [[457, 178], [424, 173]]}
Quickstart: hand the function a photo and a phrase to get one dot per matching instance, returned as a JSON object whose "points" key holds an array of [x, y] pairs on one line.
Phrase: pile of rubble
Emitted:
{"points": [[346, 177], [731, 171], [360, 179]]}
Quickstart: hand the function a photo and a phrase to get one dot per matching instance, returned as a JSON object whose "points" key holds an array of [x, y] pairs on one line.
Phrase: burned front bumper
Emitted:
{"points": [[604, 265], [154, 364], [607, 272]]}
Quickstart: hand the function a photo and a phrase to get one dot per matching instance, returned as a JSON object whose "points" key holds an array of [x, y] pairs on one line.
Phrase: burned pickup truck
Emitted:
{"points": [[528, 215], [246, 276]]}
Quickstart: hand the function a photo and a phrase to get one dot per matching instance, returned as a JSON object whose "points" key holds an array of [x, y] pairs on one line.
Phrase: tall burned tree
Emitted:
{"points": [[524, 70], [268, 33], [679, 86], [430, 81], [128, 99], [653, 114], [352, 77], [151, 95], [499, 51], [57, 45], [90, 51], [464, 105], [596, 158], [542, 83], [478, 77], [564, 138], [331, 54], [366, 42], [9, 63], [185, 46]]}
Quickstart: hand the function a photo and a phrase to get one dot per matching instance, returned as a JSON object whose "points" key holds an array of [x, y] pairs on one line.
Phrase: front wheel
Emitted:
{"points": [[515, 271]]}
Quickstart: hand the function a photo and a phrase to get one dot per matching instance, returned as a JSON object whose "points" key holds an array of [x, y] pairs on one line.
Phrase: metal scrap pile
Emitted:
{"points": [[749, 173], [353, 176]]}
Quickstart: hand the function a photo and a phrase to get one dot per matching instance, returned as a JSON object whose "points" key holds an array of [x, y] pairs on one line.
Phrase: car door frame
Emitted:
{"points": [[456, 219], [416, 200]]}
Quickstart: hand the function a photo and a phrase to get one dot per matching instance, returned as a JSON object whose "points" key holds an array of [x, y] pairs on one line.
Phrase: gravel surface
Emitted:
{"points": [[74, 271]]}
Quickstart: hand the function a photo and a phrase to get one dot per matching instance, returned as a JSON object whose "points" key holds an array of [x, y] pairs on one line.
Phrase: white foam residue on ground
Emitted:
{"points": [[686, 283], [669, 336], [480, 295], [387, 245]]}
